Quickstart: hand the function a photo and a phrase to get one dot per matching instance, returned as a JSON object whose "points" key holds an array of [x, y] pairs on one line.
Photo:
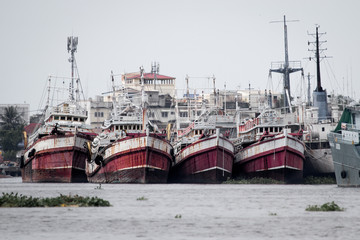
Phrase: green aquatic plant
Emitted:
{"points": [[178, 216], [141, 198], [19, 200], [256, 180], [272, 214], [319, 180], [326, 207]]}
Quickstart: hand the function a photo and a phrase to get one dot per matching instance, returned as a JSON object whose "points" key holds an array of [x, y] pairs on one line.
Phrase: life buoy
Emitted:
{"points": [[307, 137]]}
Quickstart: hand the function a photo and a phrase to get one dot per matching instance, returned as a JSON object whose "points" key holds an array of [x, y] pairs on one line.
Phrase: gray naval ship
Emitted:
{"points": [[345, 147]]}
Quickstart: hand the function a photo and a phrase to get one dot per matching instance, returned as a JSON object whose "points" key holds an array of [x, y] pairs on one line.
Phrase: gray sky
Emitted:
{"points": [[231, 39]]}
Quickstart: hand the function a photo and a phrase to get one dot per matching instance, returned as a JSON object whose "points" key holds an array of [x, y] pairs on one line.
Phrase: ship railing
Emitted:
{"points": [[67, 110]]}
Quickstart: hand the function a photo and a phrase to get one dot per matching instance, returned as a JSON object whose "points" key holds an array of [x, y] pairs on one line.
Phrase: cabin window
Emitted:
{"points": [[280, 129], [116, 127], [76, 119], [56, 117], [121, 127], [141, 127], [261, 130], [62, 117], [323, 129], [81, 119], [271, 129]]}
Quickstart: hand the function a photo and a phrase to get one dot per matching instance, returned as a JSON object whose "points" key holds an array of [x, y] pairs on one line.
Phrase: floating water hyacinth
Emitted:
{"points": [[19, 200], [326, 207]]}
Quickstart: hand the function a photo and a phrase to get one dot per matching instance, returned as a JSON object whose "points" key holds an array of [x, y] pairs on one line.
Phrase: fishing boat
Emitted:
{"points": [[320, 119], [129, 150], [57, 150], [345, 148], [202, 153], [269, 146]]}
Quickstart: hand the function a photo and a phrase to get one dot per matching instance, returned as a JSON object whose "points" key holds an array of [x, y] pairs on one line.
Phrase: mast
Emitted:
{"points": [[72, 48], [285, 68], [319, 94], [215, 100], [318, 75], [308, 92]]}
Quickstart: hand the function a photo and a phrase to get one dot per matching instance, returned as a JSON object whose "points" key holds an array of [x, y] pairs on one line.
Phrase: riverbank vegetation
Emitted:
{"points": [[19, 200], [256, 180], [319, 180]]}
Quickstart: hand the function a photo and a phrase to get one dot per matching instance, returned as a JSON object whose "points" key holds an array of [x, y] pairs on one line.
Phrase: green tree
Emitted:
{"points": [[11, 128]]}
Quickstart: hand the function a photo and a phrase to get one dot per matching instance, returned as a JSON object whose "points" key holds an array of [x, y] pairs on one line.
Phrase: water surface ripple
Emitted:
{"points": [[219, 211]]}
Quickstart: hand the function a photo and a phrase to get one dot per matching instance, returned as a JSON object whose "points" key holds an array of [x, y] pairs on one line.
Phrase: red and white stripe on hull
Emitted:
{"points": [[208, 160], [134, 159], [273, 154], [55, 158]]}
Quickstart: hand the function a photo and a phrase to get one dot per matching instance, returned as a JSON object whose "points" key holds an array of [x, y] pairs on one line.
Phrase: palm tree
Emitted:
{"points": [[11, 119], [11, 127]]}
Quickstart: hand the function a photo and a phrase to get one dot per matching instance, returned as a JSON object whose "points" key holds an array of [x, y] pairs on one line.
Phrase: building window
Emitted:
{"points": [[183, 114]]}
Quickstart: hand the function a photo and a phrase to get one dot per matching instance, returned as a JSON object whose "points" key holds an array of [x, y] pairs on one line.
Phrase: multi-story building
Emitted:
{"points": [[98, 109], [152, 82]]}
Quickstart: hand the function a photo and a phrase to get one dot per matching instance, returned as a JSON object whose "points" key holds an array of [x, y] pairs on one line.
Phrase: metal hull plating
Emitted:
{"points": [[280, 158], [55, 158], [318, 162], [346, 157], [139, 159], [208, 160]]}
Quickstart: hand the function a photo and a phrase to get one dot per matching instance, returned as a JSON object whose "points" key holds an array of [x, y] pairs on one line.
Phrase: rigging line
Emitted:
{"points": [[332, 72], [43, 95]]}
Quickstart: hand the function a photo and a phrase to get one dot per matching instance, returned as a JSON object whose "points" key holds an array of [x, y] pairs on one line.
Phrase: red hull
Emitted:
{"points": [[56, 164], [137, 165], [211, 165], [284, 163]]}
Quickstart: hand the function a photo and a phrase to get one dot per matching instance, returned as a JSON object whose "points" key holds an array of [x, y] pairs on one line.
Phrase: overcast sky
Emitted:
{"points": [[231, 39]]}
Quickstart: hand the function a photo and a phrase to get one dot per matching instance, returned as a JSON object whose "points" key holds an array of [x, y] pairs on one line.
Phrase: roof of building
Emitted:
{"points": [[29, 129], [148, 76]]}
